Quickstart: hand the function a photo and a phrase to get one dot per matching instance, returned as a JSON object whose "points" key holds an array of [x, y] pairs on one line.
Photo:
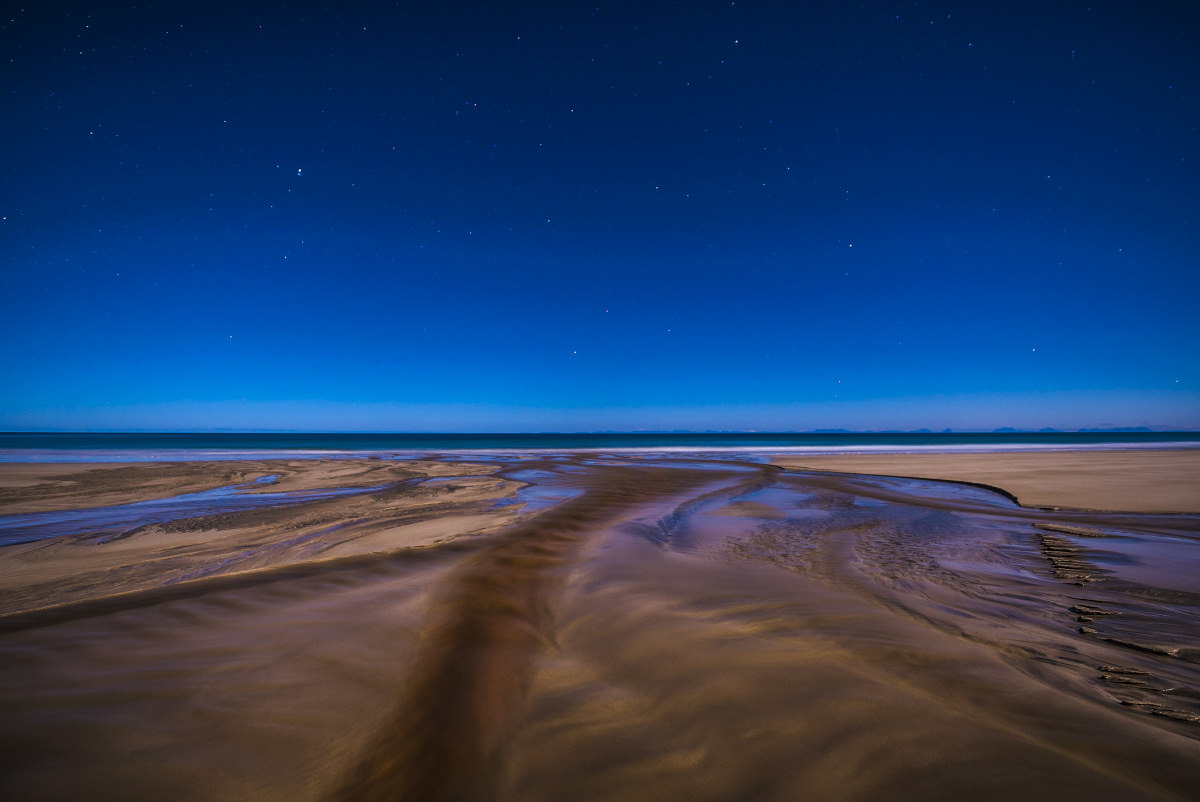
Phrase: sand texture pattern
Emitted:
{"points": [[587, 627]]}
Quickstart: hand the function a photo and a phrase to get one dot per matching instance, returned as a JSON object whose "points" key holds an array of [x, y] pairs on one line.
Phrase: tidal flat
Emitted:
{"points": [[601, 626]]}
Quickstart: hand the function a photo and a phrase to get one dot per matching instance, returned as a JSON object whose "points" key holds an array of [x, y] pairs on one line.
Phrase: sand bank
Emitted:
{"points": [[1126, 480], [358, 506]]}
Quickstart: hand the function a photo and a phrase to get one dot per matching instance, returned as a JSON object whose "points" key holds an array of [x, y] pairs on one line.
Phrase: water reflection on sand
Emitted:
{"points": [[640, 628], [118, 520]]}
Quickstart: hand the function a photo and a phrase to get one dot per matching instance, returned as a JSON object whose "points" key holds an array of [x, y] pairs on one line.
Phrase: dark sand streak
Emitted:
{"points": [[208, 586], [465, 695]]}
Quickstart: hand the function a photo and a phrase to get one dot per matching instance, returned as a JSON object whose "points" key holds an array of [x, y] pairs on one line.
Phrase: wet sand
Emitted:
{"points": [[590, 627]]}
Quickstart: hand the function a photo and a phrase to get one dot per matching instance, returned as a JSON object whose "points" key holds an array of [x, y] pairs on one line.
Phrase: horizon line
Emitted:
{"points": [[829, 431]]}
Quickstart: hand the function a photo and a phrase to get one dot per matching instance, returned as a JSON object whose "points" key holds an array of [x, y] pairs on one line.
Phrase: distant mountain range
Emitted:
{"points": [[1005, 430]]}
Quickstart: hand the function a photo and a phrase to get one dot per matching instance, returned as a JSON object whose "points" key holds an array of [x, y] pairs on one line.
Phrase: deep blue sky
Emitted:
{"points": [[469, 216]]}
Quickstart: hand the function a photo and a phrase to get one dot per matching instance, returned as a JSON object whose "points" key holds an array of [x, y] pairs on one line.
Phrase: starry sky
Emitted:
{"points": [[456, 216]]}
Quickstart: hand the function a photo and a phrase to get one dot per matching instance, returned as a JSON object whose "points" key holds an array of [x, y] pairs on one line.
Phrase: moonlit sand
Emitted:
{"points": [[602, 627]]}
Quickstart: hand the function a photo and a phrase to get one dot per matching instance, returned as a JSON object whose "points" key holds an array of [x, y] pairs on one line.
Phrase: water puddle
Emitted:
{"points": [[539, 497], [940, 491], [101, 521]]}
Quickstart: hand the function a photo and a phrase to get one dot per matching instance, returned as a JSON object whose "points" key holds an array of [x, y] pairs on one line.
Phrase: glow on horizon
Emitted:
{"points": [[958, 412]]}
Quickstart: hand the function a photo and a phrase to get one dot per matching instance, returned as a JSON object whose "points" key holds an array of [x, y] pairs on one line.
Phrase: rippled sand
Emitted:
{"points": [[590, 627]]}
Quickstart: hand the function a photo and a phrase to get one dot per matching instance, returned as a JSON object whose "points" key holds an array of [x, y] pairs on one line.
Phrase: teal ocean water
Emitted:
{"points": [[22, 446]]}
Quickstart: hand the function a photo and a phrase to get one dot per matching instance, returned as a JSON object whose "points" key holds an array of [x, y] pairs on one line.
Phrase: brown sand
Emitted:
{"points": [[1165, 480], [28, 488], [408, 512], [679, 630]]}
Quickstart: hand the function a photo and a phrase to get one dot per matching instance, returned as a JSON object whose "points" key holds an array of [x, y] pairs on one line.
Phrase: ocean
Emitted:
{"points": [[102, 447]]}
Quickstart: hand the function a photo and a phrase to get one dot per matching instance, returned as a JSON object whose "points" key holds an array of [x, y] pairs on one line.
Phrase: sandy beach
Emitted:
{"points": [[603, 627]]}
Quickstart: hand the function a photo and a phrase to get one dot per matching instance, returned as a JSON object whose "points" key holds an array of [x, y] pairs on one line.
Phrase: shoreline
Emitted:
{"points": [[160, 447]]}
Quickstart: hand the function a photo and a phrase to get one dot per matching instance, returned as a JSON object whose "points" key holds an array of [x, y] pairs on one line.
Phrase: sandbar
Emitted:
{"points": [[1164, 480]]}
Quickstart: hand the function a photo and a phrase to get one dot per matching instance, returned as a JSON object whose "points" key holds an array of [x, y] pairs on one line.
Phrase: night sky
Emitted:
{"points": [[494, 217]]}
